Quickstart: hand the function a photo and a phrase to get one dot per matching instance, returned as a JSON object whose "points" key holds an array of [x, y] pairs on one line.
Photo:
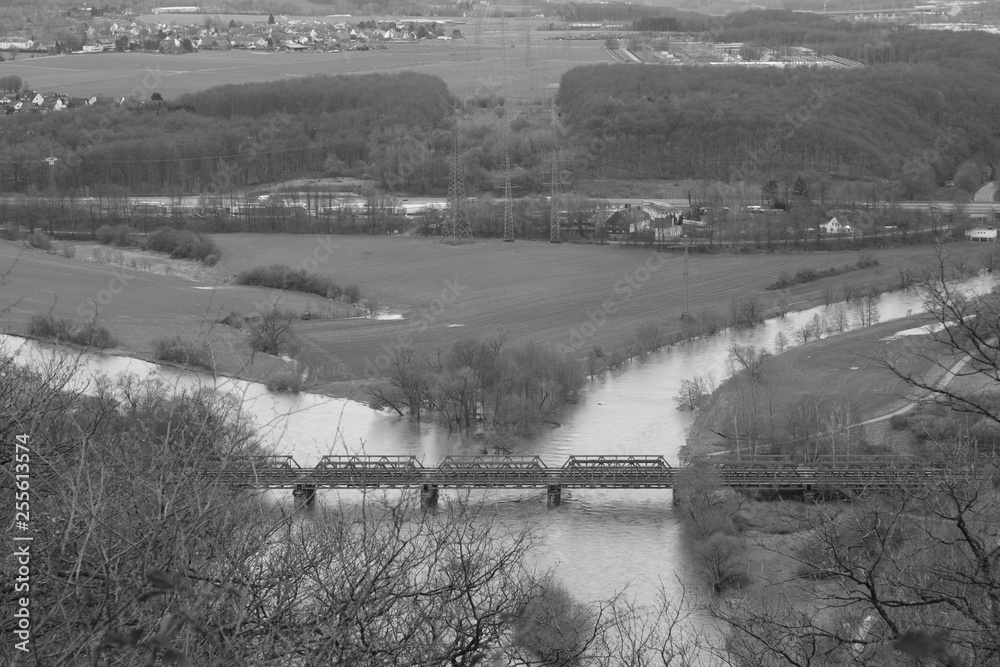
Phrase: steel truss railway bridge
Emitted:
{"points": [[847, 474]]}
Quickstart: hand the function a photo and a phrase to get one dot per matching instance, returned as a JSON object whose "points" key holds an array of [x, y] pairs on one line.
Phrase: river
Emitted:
{"points": [[599, 541]]}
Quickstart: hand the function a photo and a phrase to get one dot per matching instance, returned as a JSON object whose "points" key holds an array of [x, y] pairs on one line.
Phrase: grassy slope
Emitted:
{"points": [[848, 364], [533, 291]]}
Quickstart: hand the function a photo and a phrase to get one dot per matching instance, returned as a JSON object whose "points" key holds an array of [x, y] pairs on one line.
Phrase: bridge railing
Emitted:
{"points": [[617, 470], [354, 470], [353, 462], [255, 470], [622, 462], [490, 471]]}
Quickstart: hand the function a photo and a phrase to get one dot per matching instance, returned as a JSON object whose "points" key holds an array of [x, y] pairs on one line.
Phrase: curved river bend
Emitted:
{"points": [[600, 540]]}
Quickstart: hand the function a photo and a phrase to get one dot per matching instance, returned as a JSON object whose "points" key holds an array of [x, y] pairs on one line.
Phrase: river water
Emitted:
{"points": [[600, 541]]}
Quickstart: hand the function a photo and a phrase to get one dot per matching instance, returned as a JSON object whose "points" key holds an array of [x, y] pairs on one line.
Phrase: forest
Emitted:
{"points": [[925, 110], [393, 129], [226, 138]]}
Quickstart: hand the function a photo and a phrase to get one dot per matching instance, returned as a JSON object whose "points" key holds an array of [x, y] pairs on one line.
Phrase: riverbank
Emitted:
{"points": [[849, 365], [526, 291], [887, 417]]}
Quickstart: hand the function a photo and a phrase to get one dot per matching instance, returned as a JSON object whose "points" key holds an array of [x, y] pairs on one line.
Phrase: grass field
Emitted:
{"points": [[849, 366], [533, 291], [141, 74], [553, 294], [139, 307]]}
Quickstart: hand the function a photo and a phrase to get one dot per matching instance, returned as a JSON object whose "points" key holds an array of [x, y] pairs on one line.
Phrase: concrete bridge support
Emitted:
{"points": [[554, 496], [429, 496], [304, 493]]}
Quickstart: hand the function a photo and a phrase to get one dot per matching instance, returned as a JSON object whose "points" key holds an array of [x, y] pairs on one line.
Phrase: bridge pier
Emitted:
{"points": [[429, 496], [554, 496], [304, 493]]}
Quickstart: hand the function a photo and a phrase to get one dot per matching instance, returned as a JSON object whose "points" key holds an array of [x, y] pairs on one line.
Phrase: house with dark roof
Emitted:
{"points": [[628, 220]]}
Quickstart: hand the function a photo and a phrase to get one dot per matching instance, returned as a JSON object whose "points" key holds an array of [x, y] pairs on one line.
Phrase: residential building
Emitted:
{"points": [[982, 234], [835, 226]]}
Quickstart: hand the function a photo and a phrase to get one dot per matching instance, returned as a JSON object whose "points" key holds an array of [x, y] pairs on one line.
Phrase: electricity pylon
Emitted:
{"points": [[508, 204], [557, 180], [456, 228]]}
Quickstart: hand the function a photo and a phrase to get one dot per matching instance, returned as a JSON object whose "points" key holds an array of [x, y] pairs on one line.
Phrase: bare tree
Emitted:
{"points": [[966, 349], [693, 390], [913, 574], [748, 360], [142, 554], [780, 341], [407, 388], [273, 333], [866, 311], [839, 321]]}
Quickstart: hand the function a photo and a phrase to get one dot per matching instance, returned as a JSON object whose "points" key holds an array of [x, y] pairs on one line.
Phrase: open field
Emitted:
{"points": [[141, 74], [848, 365], [143, 307], [532, 291]]}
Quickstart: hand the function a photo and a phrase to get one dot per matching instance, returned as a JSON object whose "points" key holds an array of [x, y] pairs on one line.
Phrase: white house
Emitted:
{"points": [[835, 226], [10, 44], [982, 234]]}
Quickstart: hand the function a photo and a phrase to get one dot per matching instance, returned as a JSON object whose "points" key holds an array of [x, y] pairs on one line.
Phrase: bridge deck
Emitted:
{"points": [[619, 472]]}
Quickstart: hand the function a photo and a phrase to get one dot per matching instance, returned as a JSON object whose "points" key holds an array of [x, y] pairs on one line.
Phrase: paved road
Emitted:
{"points": [[987, 193]]}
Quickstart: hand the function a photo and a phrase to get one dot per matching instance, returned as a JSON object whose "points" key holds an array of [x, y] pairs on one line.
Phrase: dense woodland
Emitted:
{"points": [[227, 138], [926, 107]]}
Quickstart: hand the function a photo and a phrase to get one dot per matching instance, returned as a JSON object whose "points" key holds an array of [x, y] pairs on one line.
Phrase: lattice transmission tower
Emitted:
{"points": [[529, 60], [456, 226], [557, 180], [508, 202]]}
